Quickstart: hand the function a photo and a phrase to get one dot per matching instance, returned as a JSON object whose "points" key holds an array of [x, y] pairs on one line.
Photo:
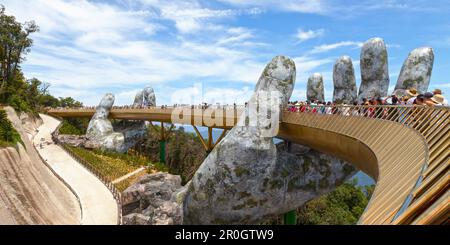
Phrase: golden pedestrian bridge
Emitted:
{"points": [[405, 149]]}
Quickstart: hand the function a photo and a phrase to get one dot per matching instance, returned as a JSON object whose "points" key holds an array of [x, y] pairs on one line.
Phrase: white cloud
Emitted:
{"points": [[306, 65], [301, 6], [190, 16], [342, 10], [87, 46], [327, 47], [442, 85], [310, 34], [236, 35]]}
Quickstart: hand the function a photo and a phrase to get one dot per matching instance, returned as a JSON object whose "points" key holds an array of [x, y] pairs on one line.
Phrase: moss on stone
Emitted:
{"points": [[285, 173], [239, 207], [239, 171], [324, 168], [408, 83], [323, 183], [348, 169], [249, 203], [262, 202], [276, 184], [219, 221], [292, 184], [307, 162], [244, 194], [311, 185], [210, 187]]}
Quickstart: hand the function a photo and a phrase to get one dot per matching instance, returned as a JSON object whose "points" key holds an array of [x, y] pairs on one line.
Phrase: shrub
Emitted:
{"points": [[8, 135], [73, 127]]}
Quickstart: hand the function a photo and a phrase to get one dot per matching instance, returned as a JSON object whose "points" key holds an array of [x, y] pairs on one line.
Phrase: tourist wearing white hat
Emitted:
{"points": [[439, 98]]}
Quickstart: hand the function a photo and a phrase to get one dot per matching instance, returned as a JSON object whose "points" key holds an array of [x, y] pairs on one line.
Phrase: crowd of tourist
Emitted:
{"points": [[399, 97], [125, 107]]}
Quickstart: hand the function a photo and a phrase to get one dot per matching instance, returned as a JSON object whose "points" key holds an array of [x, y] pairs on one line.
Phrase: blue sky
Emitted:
{"points": [[214, 51]]}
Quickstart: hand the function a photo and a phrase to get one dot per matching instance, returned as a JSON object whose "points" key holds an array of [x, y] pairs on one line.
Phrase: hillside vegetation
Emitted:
{"points": [[185, 152], [74, 126], [342, 206], [8, 135], [114, 165], [24, 95]]}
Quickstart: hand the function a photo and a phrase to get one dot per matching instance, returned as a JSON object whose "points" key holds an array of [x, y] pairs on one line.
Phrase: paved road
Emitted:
{"points": [[97, 203]]}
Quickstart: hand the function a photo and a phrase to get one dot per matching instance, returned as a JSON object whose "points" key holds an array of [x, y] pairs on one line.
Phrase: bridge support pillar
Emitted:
{"points": [[209, 143], [164, 136], [290, 218], [162, 151]]}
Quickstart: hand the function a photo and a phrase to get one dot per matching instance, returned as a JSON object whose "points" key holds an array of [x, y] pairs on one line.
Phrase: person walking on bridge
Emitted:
{"points": [[439, 98]]}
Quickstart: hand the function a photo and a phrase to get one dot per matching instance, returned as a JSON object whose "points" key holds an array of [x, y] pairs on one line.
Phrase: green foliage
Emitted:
{"points": [[15, 43], [160, 167], [124, 184], [69, 102], [74, 126], [108, 164], [114, 165], [185, 152], [19, 104], [8, 135], [23, 95], [343, 206], [130, 160]]}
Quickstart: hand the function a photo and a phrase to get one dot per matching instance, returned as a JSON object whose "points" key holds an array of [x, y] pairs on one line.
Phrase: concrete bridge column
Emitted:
{"points": [[162, 151], [162, 145], [163, 137]]}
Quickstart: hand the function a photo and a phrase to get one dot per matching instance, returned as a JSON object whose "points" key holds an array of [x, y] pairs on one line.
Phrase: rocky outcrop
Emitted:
{"points": [[315, 89], [416, 70], [100, 129], [374, 70], [30, 193], [30, 122], [152, 200], [146, 98], [138, 99], [101, 132], [77, 141], [149, 97], [344, 81]]}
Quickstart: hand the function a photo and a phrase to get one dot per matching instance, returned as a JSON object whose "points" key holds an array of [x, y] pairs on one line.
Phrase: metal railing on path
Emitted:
{"points": [[105, 180]]}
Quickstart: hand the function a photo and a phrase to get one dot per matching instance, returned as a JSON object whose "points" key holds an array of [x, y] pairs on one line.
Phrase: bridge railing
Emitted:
{"points": [[124, 108], [432, 123], [416, 117]]}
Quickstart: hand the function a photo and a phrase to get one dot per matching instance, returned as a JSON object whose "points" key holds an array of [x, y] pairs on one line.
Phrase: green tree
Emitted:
{"points": [[342, 206], [69, 102], [15, 43]]}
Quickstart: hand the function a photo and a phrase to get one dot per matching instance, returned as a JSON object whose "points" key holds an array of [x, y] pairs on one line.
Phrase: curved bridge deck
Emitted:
{"points": [[405, 149]]}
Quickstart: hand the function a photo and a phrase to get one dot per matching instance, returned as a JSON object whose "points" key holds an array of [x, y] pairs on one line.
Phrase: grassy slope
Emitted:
{"points": [[115, 165]]}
